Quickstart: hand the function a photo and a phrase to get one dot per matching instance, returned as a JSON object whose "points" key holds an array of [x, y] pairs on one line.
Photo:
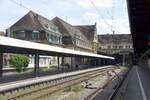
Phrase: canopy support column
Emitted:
{"points": [[62, 64], [36, 64], [71, 64], [103, 62], [94, 59], [1, 64], [58, 62]]}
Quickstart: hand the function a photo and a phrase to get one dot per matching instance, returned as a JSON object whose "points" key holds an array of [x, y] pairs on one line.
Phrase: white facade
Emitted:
{"points": [[44, 61]]}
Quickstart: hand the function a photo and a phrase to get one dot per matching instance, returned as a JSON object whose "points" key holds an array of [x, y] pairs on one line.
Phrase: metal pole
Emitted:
{"points": [[71, 64], [95, 62], [1, 64], [62, 64], [38, 59], [58, 62], [90, 63], [104, 63], [36, 64], [123, 61]]}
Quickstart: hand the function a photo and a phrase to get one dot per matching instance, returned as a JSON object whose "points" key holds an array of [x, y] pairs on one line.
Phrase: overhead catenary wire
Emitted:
{"points": [[112, 17], [20, 4], [99, 13], [85, 21], [23, 6], [107, 23]]}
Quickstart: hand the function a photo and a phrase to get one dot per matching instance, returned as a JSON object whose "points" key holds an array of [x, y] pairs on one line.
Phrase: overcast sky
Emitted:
{"points": [[75, 12]]}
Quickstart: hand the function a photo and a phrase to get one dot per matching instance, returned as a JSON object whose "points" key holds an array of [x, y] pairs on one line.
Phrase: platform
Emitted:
{"points": [[135, 87], [12, 85], [138, 85]]}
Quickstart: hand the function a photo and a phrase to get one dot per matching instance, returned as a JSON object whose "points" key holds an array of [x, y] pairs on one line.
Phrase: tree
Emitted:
{"points": [[20, 62]]}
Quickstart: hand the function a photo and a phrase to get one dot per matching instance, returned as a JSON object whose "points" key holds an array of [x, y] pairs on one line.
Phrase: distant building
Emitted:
{"points": [[117, 45], [2, 33]]}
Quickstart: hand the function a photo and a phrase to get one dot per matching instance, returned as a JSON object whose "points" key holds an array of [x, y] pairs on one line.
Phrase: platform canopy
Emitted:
{"points": [[139, 16], [11, 45]]}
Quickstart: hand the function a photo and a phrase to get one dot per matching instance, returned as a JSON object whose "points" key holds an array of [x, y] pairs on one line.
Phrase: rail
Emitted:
{"points": [[45, 88]]}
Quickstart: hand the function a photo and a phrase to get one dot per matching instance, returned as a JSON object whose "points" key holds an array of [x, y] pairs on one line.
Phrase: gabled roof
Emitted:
{"points": [[87, 30], [31, 21], [67, 29]]}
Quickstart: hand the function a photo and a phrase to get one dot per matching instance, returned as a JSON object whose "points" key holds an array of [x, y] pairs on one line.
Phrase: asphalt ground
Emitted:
{"points": [[138, 87]]}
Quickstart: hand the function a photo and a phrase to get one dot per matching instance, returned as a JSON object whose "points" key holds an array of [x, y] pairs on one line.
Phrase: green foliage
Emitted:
{"points": [[14, 34], [67, 89], [77, 88], [20, 62], [45, 69]]}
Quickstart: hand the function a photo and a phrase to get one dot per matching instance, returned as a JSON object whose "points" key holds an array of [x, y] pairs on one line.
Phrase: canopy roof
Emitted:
{"points": [[139, 16], [11, 45]]}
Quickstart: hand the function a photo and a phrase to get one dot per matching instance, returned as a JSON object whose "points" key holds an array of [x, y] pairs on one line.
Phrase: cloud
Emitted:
{"points": [[77, 12], [91, 15], [121, 25], [97, 3]]}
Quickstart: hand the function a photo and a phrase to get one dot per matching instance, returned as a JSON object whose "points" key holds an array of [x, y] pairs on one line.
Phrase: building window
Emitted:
{"points": [[50, 38], [115, 47], [120, 47], [19, 34], [54, 39], [128, 46], [46, 26], [45, 60], [77, 42], [109, 47], [60, 40], [35, 35]]}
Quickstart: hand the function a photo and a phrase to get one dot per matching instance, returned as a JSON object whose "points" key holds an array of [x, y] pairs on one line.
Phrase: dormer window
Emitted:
{"points": [[35, 35], [46, 25], [19, 34]]}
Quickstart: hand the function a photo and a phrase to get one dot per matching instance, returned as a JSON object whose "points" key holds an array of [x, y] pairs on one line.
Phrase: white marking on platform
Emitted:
{"points": [[141, 86]]}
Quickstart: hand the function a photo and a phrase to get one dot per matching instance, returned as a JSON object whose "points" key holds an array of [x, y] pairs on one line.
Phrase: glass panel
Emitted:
{"points": [[35, 35], [49, 38], [19, 34]]}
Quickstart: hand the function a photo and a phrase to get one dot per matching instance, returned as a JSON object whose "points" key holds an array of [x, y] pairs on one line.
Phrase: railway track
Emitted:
{"points": [[44, 89], [114, 91]]}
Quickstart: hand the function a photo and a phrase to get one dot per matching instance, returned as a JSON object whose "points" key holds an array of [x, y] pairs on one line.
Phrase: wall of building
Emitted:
{"points": [[120, 46]]}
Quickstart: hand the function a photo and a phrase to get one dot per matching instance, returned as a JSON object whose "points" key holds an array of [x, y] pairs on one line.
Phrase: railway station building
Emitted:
{"points": [[81, 37], [56, 32]]}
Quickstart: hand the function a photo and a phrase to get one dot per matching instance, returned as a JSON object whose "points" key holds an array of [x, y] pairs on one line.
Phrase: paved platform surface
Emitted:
{"points": [[138, 87], [11, 85], [6, 78]]}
